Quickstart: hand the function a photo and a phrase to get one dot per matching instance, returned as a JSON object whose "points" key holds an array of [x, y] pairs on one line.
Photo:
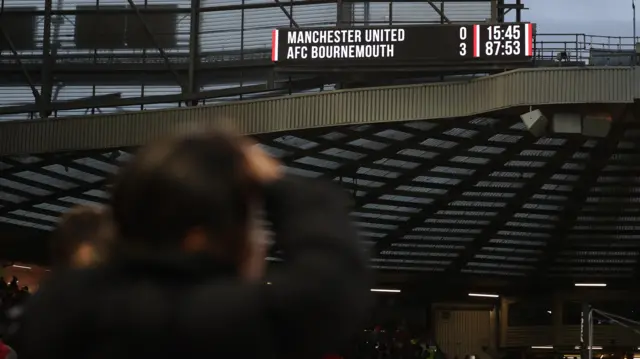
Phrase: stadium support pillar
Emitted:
{"points": [[47, 62], [194, 48], [585, 332]]}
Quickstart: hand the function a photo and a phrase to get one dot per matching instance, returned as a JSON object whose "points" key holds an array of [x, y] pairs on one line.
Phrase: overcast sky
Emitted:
{"points": [[593, 17]]}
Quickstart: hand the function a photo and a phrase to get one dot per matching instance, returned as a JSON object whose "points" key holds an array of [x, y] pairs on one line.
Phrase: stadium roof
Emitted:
{"points": [[473, 196]]}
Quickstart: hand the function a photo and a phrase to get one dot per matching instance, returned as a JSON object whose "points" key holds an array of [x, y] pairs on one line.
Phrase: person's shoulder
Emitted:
{"points": [[69, 285], [74, 277]]}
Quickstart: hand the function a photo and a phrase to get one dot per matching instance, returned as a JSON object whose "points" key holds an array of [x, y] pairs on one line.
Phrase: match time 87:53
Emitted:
{"points": [[505, 40]]}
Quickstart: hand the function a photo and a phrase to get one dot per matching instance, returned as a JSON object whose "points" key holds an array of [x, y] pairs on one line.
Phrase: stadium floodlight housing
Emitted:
{"points": [[484, 295], [542, 347], [379, 290], [590, 284]]}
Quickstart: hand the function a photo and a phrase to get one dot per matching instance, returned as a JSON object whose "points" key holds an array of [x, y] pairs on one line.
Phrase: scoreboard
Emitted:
{"points": [[512, 42]]}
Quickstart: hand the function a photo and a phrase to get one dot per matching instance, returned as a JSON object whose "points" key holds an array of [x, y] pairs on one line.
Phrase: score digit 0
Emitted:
{"points": [[463, 38]]}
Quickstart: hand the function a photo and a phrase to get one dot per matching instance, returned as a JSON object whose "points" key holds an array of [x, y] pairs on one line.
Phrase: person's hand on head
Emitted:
{"points": [[261, 165]]}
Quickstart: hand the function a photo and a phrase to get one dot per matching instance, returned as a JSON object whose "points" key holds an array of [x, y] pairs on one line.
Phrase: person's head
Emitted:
{"points": [[82, 237], [192, 193]]}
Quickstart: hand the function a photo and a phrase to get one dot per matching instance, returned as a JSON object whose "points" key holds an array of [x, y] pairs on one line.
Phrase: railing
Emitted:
{"points": [[550, 50], [583, 49], [115, 58]]}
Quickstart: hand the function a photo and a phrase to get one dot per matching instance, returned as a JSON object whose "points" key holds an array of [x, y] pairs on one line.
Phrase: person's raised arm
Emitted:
{"points": [[317, 299]]}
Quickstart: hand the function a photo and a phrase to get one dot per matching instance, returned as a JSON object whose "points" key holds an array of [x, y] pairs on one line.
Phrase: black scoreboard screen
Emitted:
{"points": [[408, 44]]}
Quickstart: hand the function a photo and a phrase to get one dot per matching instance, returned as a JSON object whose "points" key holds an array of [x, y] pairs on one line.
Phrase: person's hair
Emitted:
{"points": [[172, 186], [79, 226]]}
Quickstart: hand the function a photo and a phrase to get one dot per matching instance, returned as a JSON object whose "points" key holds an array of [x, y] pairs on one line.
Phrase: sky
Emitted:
{"points": [[592, 17]]}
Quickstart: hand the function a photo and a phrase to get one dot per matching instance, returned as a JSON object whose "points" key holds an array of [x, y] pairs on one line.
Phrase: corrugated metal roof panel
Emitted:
{"points": [[521, 87]]}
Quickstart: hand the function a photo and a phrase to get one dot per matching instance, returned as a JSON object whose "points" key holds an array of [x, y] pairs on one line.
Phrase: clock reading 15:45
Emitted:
{"points": [[507, 40]]}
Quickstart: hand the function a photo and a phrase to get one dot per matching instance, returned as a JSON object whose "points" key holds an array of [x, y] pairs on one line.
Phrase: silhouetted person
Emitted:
{"points": [[186, 281], [13, 285], [80, 240], [82, 237]]}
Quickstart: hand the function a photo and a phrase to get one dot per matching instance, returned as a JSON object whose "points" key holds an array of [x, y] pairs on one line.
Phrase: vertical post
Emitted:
{"points": [[518, 11], [635, 47], [367, 12], [495, 341], [194, 48], [557, 309], [271, 74], [154, 41], [345, 13], [635, 39], [500, 11], [47, 63], [56, 22], [585, 332], [242, 20], [504, 321], [494, 11]]}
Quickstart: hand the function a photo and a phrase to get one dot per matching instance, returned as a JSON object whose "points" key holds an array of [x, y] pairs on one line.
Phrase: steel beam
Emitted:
{"points": [[53, 196], [249, 6], [63, 159], [91, 102], [599, 157], [500, 11], [454, 193], [25, 73], [111, 101], [391, 151], [194, 47], [47, 62], [287, 14], [494, 11], [345, 13], [72, 192], [439, 12], [505, 214], [323, 145], [155, 42]]}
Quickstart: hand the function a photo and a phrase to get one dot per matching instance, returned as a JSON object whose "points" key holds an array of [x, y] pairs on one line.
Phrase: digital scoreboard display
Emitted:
{"points": [[403, 44]]}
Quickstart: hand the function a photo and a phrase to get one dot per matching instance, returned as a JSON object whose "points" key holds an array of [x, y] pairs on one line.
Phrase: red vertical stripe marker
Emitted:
{"points": [[530, 39], [274, 45], [476, 40]]}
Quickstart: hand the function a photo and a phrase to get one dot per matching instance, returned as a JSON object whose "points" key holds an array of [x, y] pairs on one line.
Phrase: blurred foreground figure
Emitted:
{"points": [[185, 279], [82, 237], [6, 352], [81, 240]]}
